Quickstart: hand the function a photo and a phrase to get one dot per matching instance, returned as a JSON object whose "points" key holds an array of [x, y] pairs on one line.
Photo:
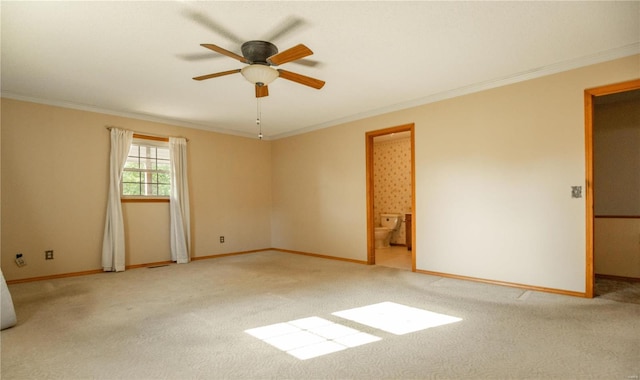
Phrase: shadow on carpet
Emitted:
{"points": [[617, 290]]}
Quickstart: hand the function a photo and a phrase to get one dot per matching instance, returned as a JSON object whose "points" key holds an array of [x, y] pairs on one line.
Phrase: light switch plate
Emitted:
{"points": [[576, 191]]}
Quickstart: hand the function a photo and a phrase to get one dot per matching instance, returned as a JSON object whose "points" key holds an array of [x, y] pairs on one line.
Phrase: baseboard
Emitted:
{"points": [[135, 266], [439, 274], [147, 265], [55, 276], [229, 254], [618, 278], [319, 256], [85, 273], [505, 283], [458, 277]]}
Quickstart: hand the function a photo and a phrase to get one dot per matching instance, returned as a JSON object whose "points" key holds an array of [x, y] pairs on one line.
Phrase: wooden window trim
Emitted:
{"points": [[144, 200], [148, 137]]}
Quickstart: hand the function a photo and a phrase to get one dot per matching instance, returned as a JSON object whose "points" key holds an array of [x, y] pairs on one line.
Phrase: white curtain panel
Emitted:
{"points": [[179, 202], [113, 242], [7, 311]]}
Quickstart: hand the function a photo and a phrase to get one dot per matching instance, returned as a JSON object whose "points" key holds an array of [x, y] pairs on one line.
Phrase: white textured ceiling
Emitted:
{"points": [[137, 58]]}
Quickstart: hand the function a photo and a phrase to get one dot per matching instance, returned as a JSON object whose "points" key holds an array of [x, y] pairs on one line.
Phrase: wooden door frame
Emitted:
{"points": [[589, 94], [370, 187]]}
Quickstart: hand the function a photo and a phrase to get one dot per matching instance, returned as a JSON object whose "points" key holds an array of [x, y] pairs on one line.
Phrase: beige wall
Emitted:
{"points": [[319, 196], [493, 177], [617, 247], [494, 172], [54, 181]]}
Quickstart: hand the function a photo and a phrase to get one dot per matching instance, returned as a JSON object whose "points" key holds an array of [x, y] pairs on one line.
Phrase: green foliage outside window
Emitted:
{"points": [[147, 171]]}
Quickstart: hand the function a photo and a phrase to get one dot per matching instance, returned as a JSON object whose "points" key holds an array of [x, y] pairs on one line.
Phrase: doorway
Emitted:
{"points": [[589, 101], [371, 210]]}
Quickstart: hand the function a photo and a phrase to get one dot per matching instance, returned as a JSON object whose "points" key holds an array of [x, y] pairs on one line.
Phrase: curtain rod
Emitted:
{"points": [[147, 134]]}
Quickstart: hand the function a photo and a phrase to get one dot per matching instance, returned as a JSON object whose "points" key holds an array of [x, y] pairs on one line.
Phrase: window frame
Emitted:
{"points": [[152, 141]]}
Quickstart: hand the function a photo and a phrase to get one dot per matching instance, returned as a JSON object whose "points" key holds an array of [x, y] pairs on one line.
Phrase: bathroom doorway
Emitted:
{"points": [[402, 252]]}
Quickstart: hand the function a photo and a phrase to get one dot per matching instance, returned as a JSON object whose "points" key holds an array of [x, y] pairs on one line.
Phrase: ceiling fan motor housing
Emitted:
{"points": [[260, 56], [258, 51]]}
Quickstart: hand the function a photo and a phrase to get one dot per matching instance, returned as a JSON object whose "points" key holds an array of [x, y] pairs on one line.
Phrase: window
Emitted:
{"points": [[147, 170]]}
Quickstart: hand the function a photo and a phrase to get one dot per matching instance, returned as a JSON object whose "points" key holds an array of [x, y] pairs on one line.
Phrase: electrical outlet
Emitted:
{"points": [[48, 255], [20, 260], [221, 239]]}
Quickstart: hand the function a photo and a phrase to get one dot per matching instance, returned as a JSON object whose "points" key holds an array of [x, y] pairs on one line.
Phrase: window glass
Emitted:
{"points": [[147, 170]]}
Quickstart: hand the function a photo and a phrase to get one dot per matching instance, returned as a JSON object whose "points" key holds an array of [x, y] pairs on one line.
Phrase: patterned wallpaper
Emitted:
{"points": [[392, 181]]}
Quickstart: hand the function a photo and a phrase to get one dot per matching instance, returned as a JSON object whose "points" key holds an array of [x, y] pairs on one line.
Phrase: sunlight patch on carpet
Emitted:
{"points": [[311, 337], [395, 318]]}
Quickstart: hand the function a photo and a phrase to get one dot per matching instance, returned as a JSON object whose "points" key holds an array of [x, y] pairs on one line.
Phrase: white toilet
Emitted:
{"points": [[390, 223]]}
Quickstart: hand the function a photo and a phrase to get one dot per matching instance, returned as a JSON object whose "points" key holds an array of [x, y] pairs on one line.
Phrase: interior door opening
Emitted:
{"points": [[392, 197], [590, 96]]}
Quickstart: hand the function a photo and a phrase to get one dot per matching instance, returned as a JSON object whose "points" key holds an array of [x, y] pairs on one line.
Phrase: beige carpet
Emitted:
{"points": [[190, 321]]}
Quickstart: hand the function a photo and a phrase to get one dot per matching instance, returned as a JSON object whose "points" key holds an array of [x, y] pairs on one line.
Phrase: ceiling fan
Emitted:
{"points": [[260, 56]]}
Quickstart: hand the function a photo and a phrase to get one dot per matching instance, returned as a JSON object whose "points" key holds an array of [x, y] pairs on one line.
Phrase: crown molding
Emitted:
{"points": [[130, 115], [608, 55]]}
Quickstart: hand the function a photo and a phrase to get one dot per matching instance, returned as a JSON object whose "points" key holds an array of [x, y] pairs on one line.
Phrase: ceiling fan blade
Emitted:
{"points": [[307, 62], [208, 23], [222, 73], [261, 91], [292, 54], [299, 78], [226, 52], [197, 56], [285, 27]]}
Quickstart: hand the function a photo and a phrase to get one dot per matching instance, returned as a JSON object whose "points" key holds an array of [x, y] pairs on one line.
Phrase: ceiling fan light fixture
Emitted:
{"points": [[259, 74]]}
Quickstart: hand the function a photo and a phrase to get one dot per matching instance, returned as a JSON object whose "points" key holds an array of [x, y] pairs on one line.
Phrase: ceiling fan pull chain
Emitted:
{"points": [[259, 116]]}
